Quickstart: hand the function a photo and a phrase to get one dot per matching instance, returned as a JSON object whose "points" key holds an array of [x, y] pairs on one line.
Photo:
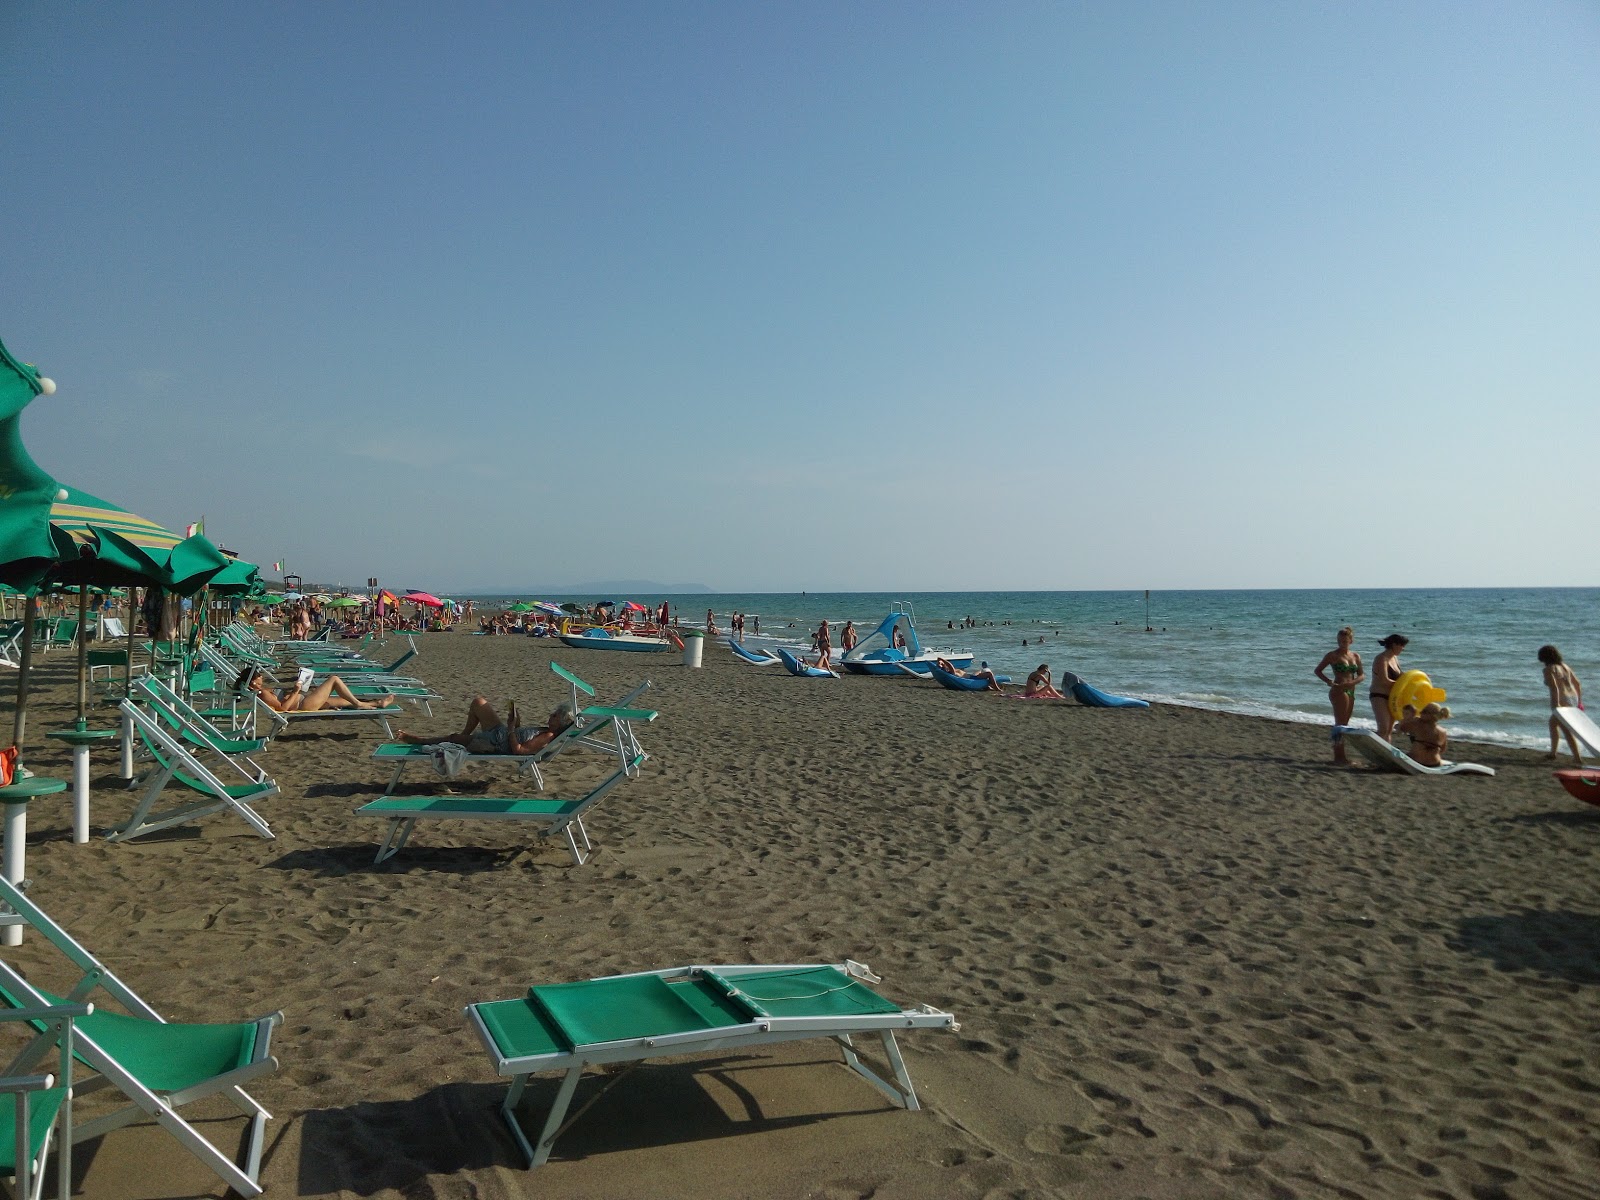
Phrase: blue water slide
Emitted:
{"points": [[961, 683], [796, 667]]}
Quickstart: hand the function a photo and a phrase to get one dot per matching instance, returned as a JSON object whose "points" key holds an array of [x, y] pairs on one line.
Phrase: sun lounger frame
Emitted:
{"points": [[765, 1031], [179, 762], [1390, 757]]}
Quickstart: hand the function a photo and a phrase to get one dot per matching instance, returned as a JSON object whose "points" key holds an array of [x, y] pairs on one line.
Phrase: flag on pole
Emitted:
{"points": [[198, 527], [277, 566]]}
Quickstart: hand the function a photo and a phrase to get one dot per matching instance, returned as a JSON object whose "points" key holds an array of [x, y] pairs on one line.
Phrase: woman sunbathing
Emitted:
{"points": [[1040, 684], [486, 733], [983, 673], [331, 693]]}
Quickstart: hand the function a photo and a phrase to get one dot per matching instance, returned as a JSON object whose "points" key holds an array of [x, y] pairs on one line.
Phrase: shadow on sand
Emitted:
{"points": [[1559, 945]]}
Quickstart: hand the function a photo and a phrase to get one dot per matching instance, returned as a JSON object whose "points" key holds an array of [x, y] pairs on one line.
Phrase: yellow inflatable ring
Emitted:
{"points": [[1413, 688]]}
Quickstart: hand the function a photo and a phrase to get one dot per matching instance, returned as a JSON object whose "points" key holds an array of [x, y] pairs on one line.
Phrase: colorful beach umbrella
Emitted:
{"points": [[423, 598], [545, 606], [632, 606]]}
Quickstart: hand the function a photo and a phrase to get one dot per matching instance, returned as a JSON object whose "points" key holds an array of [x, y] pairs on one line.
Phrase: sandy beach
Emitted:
{"points": [[1190, 958]]}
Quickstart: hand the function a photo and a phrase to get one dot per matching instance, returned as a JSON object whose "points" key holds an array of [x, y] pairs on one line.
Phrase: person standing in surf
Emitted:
{"points": [[1385, 670], [1348, 674]]}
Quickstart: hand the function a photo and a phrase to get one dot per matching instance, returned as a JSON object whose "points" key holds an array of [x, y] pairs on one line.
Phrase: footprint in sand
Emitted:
{"points": [[1057, 1139]]}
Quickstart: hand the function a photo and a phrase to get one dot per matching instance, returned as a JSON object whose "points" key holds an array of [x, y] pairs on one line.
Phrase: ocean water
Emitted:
{"points": [[1248, 652]]}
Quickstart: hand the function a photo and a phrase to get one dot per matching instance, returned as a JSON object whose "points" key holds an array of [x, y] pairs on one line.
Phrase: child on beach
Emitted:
{"points": [[1348, 673], [1427, 739], [1565, 692]]}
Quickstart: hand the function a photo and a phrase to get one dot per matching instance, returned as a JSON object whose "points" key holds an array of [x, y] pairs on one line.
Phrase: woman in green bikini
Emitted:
{"points": [[1348, 672]]}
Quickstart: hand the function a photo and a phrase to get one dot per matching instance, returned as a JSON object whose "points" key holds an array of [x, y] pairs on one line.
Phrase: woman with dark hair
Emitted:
{"points": [[1385, 670], [1565, 692]]}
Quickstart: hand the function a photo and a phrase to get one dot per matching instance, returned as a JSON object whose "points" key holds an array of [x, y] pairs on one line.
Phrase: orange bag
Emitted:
{"points": [[8, 766]]}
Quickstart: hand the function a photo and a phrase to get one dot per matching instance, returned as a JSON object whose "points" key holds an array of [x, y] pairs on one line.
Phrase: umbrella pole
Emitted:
{"points": [[127, 692], [83, 656], [30, 614]]}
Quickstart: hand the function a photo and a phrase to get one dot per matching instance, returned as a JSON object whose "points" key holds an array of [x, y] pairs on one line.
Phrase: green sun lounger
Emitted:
{"points": [[205, 774], [687, 1010], [547, 817], [159, 1066], [33, 1106]]}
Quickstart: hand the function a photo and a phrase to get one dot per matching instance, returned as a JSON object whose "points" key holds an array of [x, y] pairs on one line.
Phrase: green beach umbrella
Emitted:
{"points": [[520, 607], [343, 602]]}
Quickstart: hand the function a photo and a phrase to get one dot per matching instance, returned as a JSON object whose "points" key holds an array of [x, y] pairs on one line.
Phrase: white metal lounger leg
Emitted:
{"points": [[393, 844], [552, 1123], [902, 1096], [399, 769], [578, 856], [508, 1111]]}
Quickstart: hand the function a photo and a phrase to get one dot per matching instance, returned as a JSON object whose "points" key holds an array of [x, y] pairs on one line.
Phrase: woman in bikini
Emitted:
{"points": [[1427, 739], [824, 642], [1041, 685], [1565, 692], [1385, 670], [1348, 673], [331, 693]]}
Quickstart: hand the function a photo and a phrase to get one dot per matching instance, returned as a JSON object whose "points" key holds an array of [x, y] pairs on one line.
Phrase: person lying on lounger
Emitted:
{"points": [[1040, 684], [331, 693], [1427, 739], [983, 673], [486, 733]]}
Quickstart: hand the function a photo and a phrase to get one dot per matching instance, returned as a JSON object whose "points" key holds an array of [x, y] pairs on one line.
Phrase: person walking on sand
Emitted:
{"points": [[824, 646], [1348, 674], [1385, 670], [1565, 692]]}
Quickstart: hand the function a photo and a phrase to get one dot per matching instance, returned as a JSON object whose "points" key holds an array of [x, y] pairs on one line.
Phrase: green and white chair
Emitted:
{"points": [[547, 817], [159, 1066], [36, 1109], [682, 1011], [214, 780]]}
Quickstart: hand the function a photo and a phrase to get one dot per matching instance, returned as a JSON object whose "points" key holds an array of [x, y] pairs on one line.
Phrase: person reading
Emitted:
{"points": [[331, 693], [486, 733]]}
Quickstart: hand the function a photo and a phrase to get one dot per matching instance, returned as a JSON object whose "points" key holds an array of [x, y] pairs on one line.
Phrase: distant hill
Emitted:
{"points": [[624, 587]]}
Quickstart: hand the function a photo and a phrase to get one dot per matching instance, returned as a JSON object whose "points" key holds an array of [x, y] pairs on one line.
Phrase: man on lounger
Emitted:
{"points": [[486, 733]]}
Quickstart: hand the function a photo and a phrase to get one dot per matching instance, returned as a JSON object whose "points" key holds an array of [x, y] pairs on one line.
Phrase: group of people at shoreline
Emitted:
{"points": [[1421, 726]]}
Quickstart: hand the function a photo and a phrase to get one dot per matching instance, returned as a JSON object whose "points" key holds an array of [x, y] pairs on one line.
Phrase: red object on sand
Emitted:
{"points": [[1583, 783]]}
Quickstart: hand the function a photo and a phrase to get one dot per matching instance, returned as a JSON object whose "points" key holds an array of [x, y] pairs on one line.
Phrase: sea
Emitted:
{"points": [[1246, 652]]}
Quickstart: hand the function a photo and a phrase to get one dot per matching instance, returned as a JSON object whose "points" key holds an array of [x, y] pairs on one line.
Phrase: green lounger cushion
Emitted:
{"points": [[165, 1057], [614, 1010], [42, 1109], [814, 992], [402, 750]]}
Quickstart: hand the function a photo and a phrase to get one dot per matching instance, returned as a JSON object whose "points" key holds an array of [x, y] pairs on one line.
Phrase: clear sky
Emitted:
{"points": [[830, 296]]}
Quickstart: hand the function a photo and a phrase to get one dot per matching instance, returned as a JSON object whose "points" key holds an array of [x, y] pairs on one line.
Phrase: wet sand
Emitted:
{"points": [[1190, 958]]}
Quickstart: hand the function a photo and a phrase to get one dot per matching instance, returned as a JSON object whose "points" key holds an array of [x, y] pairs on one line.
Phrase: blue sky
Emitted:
{"points": [[826, 296]]}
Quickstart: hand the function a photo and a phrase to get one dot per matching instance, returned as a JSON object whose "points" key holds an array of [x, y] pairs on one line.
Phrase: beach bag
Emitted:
{"points": [[8, 766]]}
